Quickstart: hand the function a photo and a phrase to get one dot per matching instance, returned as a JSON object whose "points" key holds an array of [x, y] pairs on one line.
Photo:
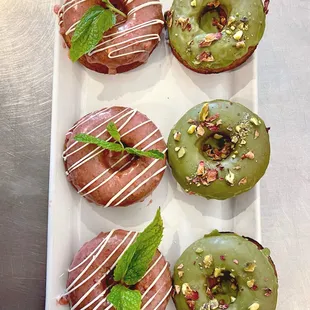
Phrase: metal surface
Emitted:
{"points": [[27, 32]]}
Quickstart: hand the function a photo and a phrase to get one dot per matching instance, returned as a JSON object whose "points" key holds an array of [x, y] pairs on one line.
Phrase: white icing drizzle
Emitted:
{"points": [[132, 181], [150, 269], [98, 297], [89, 256], [90, 263], [155, 281], [86, 158], [167, 294], [143, 5], [113, 174], [101, 266], [141, 184], [64, 9], [152, 298], [101, 133]]}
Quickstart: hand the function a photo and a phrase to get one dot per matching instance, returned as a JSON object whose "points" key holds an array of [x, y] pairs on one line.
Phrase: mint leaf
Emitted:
{"points": [[89, 30], [113, 131], [123, 298], [132, 266], [82, 137], [152, 153], [123, 263], [113, 8]]}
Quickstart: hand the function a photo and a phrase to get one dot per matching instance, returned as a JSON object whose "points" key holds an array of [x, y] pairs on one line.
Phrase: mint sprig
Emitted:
{"points": [[122, 298], [133, 265], [89, 30], [136, 260], [117, 147]]}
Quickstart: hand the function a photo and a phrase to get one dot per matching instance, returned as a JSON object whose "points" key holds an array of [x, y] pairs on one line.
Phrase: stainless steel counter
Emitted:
{"points": [[26, 60]]}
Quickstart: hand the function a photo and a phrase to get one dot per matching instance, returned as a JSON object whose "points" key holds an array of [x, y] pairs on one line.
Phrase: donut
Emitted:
{"points": [[108, 178], [225, 271], [91, 274], [125, 46], [212, 36], [218, 149]]}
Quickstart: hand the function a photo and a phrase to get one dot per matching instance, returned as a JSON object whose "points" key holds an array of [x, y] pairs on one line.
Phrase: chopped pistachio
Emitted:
{"points": [[177, 136], [241, 26], [250, 283], [232, 275], [199, 250], [233, 28], [233, 157], [250, 266], [204, 112], [233, 286], [201, 168], [191, 129], [238, 128], [254, 306], [256, 134], [255, 121], [180, 267], [180, 273], [230, 177], [228, 31], [177, 149], [232, 299], [249, 155], [231, 19], [238, 35], [214, 304], [243, 181], [240, 44], [234, 139], [200, 131], [177, 289], [217, 272], [186, 288], [181, 152], [208, 260], [229, 129], [217, 136], [193, 3], [219, 122]]}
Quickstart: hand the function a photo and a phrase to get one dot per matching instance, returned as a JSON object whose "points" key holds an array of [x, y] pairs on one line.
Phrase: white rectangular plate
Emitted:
{"points": [[164, 90]]}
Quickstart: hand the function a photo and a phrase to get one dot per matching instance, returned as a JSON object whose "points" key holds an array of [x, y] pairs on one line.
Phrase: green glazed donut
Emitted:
{"points": [[211, 36], [225, 271], [218, 150]]}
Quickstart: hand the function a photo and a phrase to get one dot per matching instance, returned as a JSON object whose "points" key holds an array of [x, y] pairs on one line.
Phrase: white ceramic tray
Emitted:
{"points": [[164, 90]]}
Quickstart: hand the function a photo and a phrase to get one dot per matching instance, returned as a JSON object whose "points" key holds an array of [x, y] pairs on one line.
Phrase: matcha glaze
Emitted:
{"points": [[232, 131], [238, 31], [230, 270]]}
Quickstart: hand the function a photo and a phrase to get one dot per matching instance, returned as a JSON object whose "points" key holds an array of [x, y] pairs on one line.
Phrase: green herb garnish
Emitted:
{"points": [[122, 298], [89, 31], [118, 146], [133, 265]]}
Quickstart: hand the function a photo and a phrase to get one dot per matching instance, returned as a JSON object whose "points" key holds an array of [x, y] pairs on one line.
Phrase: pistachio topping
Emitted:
{"points": [[250, 266], [199, 250], [230, 177], [208, 261], [177, 136], [255, 121], [232, 299], [254, 306], [191, 129], [218, 272], [249, 155], [256, 134], [204, 112], [240, 44], [177, 289], [250, 283], [200, 131], [214, 304], [177, 149], [180, 266], [243, 181], [193, 3], [238, 35], [180, 273], [181, 152]]}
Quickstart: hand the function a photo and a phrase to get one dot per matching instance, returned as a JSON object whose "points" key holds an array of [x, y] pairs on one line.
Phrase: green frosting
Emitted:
{"points": [[245, 163], [224, 51], [227, 269]]}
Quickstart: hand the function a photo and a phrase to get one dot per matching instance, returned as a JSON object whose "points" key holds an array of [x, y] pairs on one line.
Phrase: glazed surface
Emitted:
{"points": [[91, 274], [244, 163], [108, 178], [217, 253], [128, 44], [191, 25]]}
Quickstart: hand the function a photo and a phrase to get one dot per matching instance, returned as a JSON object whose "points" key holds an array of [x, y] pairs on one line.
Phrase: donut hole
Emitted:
{"points": [[213, 19], [117, 161], [223, 287], [217, 147]]}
